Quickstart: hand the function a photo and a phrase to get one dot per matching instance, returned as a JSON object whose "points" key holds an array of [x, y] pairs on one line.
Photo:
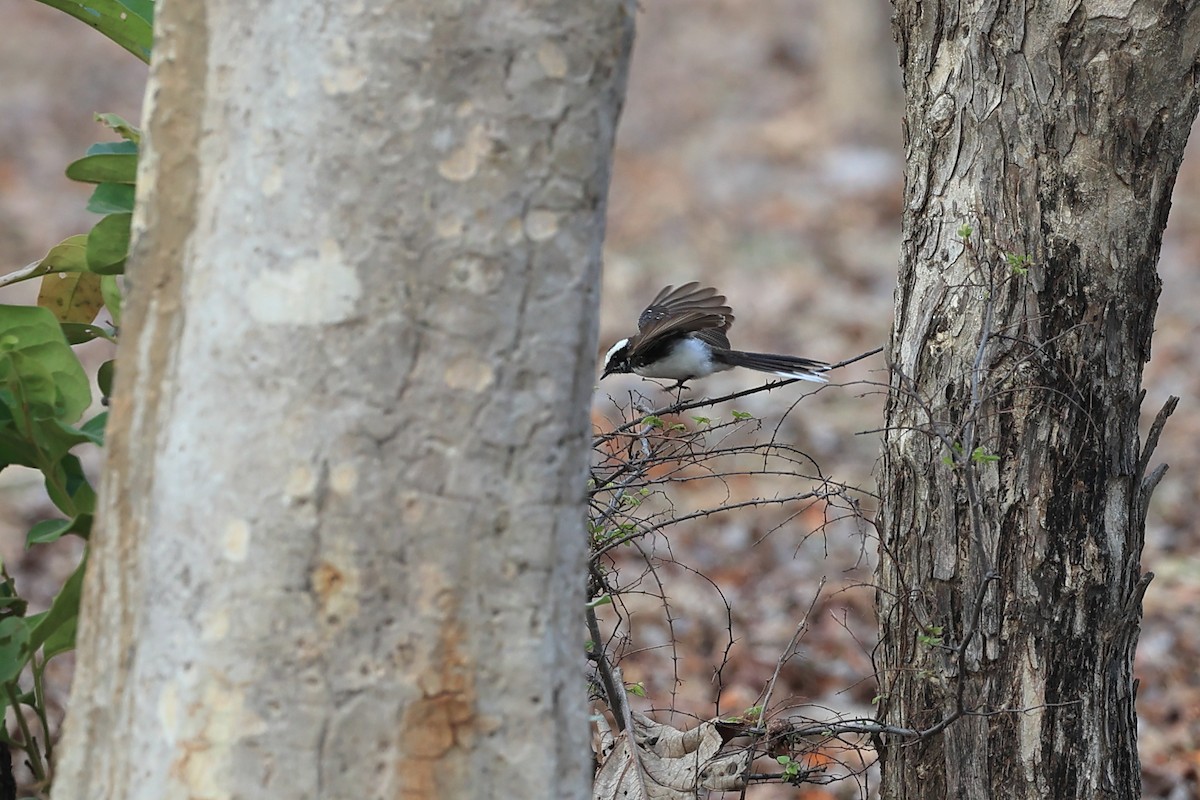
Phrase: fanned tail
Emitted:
{"points": [[806, 369]]}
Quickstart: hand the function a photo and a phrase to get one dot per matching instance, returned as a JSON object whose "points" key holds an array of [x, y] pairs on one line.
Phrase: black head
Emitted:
{"points": [[617, 360]]}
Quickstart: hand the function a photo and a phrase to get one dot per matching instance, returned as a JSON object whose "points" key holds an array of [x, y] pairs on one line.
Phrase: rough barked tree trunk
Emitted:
{"points": [[1054, 131], [341, 552]]}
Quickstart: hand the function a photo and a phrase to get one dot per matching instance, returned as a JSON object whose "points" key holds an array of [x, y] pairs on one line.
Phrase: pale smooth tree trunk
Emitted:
{"points": [[342, 553], [1012, 458]]}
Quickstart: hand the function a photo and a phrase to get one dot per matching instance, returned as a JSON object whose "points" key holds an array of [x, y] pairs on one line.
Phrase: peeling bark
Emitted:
{"points": [[1054, 131]]}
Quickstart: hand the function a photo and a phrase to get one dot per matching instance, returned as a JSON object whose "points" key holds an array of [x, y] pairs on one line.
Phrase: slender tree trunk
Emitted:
{"points": [[1014, 483], [341, 551]]}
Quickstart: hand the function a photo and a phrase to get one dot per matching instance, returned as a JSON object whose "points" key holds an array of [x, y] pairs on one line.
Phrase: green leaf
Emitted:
{"points": [[63, 611], [125, 148], [110, 290], [108, 244], [28, 387], [79, 489], [119, 124], [1018, 263], [129, 23], [51, 530], [652, 421], [53, 439], [142, 8], [38, 369], [981, 456], [61, 640], [112, 198], [79, 332], [14, 449], [69, 255], [94, 427], [57, 489], [104, 378], [71, 296], [14, 647], [42, 445], [48, 530], [105, 168], [742, 415]]}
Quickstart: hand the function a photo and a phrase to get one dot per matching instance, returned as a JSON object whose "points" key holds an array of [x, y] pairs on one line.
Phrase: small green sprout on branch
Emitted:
{"points": [[1019, 264]]}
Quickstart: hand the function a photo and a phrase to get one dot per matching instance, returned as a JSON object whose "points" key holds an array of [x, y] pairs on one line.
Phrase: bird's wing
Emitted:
{"points": [[687, 309], [714, 336], [698, 322]]}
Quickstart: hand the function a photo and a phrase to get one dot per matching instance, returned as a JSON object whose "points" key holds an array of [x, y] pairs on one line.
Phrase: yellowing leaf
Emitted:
{"points": [[71, 296]]}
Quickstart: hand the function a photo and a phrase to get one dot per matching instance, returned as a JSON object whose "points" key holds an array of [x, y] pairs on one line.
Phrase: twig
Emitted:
{"points": [[26, 272], [614, 692], [801, 629], [1156, 429], [29, 743], [707, 512], [679, 407]]}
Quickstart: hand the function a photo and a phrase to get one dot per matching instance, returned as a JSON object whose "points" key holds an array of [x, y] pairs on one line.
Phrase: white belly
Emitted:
{"points": [[689, 358]]}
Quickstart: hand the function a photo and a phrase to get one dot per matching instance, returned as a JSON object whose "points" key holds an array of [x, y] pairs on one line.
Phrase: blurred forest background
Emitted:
{"points": [[759, 152]]}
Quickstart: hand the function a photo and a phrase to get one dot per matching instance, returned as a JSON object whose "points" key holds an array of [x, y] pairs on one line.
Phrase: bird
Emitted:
{"points": [[683, 334]]}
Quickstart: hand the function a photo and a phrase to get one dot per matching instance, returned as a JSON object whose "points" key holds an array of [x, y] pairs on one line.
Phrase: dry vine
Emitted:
{"points": [[638, 458]]}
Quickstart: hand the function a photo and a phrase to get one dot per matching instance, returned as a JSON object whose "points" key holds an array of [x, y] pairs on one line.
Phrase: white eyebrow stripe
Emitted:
{"points": [[613, 350]]}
